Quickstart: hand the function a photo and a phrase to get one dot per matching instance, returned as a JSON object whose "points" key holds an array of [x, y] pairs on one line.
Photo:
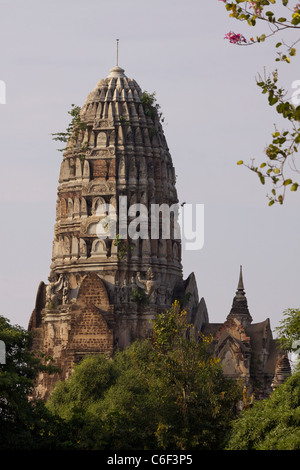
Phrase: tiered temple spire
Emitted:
{"points": [[239, 307], [104, 290]]}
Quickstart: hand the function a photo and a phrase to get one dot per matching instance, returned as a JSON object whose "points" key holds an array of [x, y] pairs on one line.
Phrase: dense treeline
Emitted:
{"points": [[165, 393]]}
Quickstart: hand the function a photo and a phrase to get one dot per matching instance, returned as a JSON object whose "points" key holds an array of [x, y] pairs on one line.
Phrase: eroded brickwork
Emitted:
{"points": [[89, 304]]}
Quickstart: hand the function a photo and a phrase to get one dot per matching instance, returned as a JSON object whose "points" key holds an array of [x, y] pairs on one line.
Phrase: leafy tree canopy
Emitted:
{"points": [[163, 393], [271, 424], [289, 330], [24, 423]]}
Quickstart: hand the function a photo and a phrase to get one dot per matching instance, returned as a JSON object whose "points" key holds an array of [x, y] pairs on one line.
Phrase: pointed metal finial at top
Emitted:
{"points": [[239, 309], [117, 72], [241, 283]]}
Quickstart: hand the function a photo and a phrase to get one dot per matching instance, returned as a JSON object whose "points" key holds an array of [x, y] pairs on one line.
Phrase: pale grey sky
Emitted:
{"points": [[54, 53]]}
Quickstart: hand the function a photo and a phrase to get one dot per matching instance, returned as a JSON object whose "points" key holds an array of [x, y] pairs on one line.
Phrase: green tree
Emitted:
{"points": [[289, 330], [167, 392], [24, 423], [130, 408], [275, 17], [107, 401], [200, 401], [271, 424], [151, 107], [73, 131]]}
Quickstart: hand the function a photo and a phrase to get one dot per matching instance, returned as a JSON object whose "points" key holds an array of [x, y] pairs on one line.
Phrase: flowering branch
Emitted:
{"points": [[284, 146], [253, 11]]}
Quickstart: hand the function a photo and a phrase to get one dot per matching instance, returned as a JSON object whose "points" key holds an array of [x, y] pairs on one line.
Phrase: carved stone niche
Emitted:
{"points": [[99, 249], [98, 206], [101, 139]]}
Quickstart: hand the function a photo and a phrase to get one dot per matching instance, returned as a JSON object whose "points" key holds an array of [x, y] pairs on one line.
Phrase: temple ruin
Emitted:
{"points": [[103, 291]]}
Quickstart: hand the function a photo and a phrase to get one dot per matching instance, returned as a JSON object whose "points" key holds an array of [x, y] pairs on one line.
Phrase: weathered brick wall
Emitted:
{"points": [[90, 332], [99, 169], [92, 291], [84, 330]]}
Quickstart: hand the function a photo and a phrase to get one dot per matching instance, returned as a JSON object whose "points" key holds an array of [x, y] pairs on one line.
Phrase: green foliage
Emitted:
{"points": [[84, 385], [255, 12], [75, 127], [107, 402], [124, 247], [124, 121], [200, 400], [21, 368], [128, 410], [271, 424], [165, 393], [282, 150], [284, 144], [183, 299], [151, 107], [139, 297], [289, 330], [169, 328], [24, 423]]}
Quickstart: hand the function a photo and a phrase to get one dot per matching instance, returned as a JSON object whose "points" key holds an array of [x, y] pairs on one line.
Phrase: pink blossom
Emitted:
{"points": [[234, 38], [256, 9]]}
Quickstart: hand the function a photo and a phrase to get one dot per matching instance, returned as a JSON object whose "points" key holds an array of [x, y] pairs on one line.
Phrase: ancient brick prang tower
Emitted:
{"points": [[103, 291]]}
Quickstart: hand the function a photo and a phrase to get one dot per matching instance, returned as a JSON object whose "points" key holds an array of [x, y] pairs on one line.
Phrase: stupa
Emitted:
{"points": [[104, 286], [247, 351]]}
